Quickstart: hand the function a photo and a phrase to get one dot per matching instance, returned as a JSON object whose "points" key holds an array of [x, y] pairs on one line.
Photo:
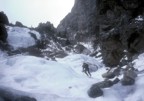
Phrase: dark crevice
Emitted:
{"points": [[132, 38]]}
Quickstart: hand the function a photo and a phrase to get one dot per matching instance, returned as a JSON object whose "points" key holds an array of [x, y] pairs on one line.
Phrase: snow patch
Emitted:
{"points": [[20, 37]]}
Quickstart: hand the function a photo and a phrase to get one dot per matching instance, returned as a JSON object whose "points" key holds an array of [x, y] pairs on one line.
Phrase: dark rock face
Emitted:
{"points": [[79, 25], [116, 25], [3, 32], [119, 29], [3, 18]]}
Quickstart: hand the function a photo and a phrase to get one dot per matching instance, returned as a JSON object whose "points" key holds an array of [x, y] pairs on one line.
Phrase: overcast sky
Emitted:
{"points": [[32, 12]]}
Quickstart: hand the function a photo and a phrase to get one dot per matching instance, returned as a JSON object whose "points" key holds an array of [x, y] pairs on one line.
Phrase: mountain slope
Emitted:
{"points": [[116, 25]]}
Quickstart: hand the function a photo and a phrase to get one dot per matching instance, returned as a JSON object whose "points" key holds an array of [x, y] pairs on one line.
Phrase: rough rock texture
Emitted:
{"points": [[129, 77], [116, 25], [120, 28], [3, 33], [80, 49], [108, 75], [3, 18], [79, 25], [3, 22], [95, 91], [49, 44], [126, 81], [104, 84]]}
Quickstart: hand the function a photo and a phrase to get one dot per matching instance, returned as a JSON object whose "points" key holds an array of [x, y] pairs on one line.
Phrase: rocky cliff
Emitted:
{"points": [[116, 25], [80, 24], [3, 21]]}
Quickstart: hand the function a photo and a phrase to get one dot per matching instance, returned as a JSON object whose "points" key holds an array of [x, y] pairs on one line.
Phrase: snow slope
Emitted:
{"points": [[39, 76], [62, 81]]}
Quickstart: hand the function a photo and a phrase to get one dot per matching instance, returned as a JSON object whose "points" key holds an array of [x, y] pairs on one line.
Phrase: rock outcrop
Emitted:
{"points": [[80, 24], [121, 27], [3, 22], [3, 18], [116, 25]]}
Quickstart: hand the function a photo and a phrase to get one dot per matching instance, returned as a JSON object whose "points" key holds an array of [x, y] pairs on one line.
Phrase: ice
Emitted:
{"points": [[63, 80], [20, 37]]}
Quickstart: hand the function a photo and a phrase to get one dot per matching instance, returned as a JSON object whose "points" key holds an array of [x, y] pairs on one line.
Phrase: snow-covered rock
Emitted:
{"points": [[20, 37]]}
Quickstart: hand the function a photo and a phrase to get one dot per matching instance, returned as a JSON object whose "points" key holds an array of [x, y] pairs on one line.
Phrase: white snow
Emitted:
{"points": [[20, 37], [61, 80], [39, 76], [88, 45], [139, 18], [75, 61]]}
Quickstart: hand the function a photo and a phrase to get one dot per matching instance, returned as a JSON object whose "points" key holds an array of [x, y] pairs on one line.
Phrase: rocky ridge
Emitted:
{"points": [[116, 25]]}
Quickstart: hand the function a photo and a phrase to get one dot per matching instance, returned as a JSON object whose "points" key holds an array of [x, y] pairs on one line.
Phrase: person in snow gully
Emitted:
{"points": [[86, 69]]}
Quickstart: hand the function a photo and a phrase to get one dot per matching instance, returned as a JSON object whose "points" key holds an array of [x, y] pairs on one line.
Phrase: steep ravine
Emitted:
{"points": [[116, 25]]}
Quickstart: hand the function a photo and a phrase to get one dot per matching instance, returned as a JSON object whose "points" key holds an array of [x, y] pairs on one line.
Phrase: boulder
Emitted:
{"points": [[108, 75], [129, 77], [80, 24], [79, 48], [104, 84], [115, 25], [95, 91], [126, 81], [116, 80]]}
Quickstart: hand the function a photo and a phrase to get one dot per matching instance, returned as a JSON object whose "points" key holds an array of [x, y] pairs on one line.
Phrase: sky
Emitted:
{"points": [[32, 12]]}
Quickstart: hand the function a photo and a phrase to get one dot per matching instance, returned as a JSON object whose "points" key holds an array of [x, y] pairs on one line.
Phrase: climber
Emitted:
{"points": [[86, 69]]}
